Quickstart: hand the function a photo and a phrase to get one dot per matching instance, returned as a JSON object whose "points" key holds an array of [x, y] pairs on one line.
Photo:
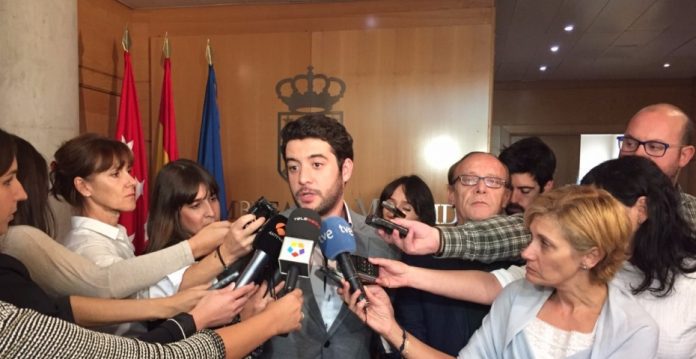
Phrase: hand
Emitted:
{"points": [[420, 240], [209, 238], [287, 312], [238, 241], [392, 274], [377, 312], [219, 307], [185, 300], [259, 300]]}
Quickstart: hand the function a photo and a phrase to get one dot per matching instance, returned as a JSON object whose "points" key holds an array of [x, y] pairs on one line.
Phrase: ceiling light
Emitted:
{"points": [[542, 68], [554, 48], [569, 28], [666, 65]]}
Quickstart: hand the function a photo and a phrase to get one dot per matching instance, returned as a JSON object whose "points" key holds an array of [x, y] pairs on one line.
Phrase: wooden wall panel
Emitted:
{"points": [[405, 88]]}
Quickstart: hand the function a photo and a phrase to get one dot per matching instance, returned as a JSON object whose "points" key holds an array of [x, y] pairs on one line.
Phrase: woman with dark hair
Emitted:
{"points": [[410, 195], [26, 333], [33, 170], [184, 199]]}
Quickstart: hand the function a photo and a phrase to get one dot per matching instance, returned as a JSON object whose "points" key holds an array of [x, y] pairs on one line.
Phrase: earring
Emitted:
{"points": [[583, 266]]}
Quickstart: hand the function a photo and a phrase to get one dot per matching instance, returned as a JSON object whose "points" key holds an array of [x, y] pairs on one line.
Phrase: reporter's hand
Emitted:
{"points": [[219, 307], [259, 300], [287, 312], [239, 239], [377, 312], [185, 300], [392, 273], [209, 238], [421, 238]]}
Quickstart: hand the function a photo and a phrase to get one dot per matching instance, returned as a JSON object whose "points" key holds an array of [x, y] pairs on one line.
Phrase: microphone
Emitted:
{"points": [[338, 242], [267, 245], [295, 255]]}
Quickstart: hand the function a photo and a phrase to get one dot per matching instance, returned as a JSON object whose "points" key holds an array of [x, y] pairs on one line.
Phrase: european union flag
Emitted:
{"points": [[209, 152]]}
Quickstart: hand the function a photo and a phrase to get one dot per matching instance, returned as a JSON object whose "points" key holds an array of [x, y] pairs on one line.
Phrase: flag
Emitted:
{"points": [[209, 152], [166, 149], [129, 131]]}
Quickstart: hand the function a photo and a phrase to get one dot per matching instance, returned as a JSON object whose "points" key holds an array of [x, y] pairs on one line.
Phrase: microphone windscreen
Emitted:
{"points": [[303, 223], [336, 237], [270, 237]]}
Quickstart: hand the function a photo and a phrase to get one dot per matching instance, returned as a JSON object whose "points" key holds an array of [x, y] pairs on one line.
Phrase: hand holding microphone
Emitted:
{"points": [[267, 244], [338, 242]]}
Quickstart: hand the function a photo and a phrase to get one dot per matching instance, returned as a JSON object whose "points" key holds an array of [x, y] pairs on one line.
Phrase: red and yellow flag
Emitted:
{"points": [[166, 149]]}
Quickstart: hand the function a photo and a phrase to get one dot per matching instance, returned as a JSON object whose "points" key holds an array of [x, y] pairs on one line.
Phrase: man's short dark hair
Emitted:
{"points": [[530, 155], [321, 127]]}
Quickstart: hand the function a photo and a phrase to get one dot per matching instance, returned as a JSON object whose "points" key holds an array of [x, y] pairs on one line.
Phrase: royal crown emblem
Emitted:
{"points": [[320, 91]]}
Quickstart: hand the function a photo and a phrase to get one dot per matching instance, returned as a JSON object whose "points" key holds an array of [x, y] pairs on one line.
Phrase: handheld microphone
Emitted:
{"points": [[295, 255], [338, 242], [267, 245]]}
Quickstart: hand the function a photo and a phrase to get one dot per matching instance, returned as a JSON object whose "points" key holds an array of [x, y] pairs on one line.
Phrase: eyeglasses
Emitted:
{"points": [[490, 182], [652, 148]]}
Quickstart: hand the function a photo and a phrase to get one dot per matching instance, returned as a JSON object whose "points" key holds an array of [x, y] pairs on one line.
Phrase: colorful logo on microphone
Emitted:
{"points": [[296, 249]]}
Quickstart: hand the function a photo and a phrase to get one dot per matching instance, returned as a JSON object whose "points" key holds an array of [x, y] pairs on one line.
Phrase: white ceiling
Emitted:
{"points": [[613, 39]]}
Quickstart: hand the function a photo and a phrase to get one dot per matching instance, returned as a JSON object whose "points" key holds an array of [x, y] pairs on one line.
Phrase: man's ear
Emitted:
{"points": [[82, 187], [548, 186], [347, 169], [685, 155]]}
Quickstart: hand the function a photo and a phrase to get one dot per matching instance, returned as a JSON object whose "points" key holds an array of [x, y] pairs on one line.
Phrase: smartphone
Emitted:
{"points": [[367, 272], [263, 208], [387, 226], [392, 208]]}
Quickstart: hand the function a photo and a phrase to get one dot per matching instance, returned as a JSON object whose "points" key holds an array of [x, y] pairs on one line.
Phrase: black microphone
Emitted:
{"points": [[301, 233], [338, 242], [267, 245]]}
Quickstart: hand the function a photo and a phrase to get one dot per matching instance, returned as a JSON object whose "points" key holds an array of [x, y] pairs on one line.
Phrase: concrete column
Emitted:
{"points": [[39, 74]]}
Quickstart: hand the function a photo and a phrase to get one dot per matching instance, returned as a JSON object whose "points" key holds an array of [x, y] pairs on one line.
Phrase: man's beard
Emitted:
{"points": [[513, 208], [329, 200]]}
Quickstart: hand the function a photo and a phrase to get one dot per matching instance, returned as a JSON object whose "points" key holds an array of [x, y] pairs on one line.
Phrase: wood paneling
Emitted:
{"points": [[414, 70]]}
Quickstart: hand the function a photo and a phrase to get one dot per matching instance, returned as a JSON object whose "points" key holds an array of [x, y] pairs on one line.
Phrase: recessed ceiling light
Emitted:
{"points": [[666, 65], [554, 48], [542, 68], [569, 28]]}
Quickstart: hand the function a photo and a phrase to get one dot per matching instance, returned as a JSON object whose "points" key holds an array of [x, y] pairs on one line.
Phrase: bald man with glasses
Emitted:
{"points": [[661, 133]]}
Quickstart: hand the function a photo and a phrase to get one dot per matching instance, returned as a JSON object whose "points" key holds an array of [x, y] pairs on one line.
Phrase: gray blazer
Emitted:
{"points": [[347, 337]]}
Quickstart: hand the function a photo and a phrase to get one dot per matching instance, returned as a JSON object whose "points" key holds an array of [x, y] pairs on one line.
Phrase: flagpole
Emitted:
{"points": [[209, 54], [165, 47], [125, 41]]}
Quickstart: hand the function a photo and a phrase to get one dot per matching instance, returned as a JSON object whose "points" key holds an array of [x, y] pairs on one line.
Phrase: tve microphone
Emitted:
{"points": [[267, 244], [338, 242], [301, 233]]}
